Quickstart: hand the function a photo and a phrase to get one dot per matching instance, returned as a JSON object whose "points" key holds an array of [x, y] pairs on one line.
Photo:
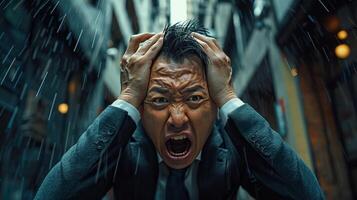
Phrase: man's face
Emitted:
{"points": [[178, 112]]}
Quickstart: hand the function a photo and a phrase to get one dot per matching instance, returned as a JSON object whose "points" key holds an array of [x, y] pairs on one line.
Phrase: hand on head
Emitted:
{"points": [[143, 49], [218, 71], [135, 66]]}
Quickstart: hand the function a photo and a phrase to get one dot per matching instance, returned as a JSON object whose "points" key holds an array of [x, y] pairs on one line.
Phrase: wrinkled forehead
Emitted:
{"points": [[187, 68]]}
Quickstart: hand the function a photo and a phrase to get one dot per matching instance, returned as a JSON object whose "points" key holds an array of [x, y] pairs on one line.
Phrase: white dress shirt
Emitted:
{"points": [[191, 173]]}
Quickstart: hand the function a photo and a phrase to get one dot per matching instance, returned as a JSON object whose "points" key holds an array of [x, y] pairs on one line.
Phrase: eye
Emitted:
{"points": [[195, 98], [160, 101]]}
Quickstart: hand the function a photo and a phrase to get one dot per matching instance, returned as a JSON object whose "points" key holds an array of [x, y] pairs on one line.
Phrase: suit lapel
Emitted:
{"points": [[212, 170], [139, 169], [146, 166]]}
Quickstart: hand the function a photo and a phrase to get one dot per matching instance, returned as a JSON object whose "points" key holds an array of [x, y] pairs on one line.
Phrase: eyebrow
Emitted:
{"points": [[193, 89], [159, 90]]}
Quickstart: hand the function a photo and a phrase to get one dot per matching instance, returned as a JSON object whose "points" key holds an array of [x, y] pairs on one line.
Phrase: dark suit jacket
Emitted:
{"points": [[246, 152]]}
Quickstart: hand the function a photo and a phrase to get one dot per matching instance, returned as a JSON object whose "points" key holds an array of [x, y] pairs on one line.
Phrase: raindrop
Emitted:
{"points": [[8, 69], [54, 7], [95, 35], [313, 44], [34, 55], [15, 74], [2, 2], [17, 80], [324, 5], [49, 38], [53, 81], [7, 55], [84, 81], [66, 142], [43, 80], [23, 91], [8, 4], [52, 155], [79, 37], [23, 49], [69, 36], [38, 11], [12, 119], [59, 27], [17, 5], [55, 47], [53, 103], [328, 60]]}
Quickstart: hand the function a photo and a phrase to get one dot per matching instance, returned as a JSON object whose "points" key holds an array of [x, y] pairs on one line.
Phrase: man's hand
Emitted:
{"points": [[135, 66], [219, 71]]}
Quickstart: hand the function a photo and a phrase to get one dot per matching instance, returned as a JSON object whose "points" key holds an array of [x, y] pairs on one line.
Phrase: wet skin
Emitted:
{"points": [[178, 104]]}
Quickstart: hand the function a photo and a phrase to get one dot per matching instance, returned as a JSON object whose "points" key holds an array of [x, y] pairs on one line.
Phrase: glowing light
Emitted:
{"points": [[342, 34], [331, 24], [63, 108], [72, 87], [178, 11], [342, 51], [294, 71]]}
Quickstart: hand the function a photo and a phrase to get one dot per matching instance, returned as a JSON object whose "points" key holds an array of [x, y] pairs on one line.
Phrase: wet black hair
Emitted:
{"points": [[180, 44]]}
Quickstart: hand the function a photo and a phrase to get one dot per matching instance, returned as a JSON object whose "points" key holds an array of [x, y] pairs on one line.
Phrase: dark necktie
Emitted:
{"points": [[175, 187]]}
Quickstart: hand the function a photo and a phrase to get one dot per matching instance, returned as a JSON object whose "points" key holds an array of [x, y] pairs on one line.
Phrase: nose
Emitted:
{"points": [[178, 119]]}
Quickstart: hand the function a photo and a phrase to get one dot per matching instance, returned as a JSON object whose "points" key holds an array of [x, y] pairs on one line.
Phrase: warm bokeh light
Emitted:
{"points": [[331, 24], [342, 51], [63, 108], [72, 87], [294, 71], [342, 34]]}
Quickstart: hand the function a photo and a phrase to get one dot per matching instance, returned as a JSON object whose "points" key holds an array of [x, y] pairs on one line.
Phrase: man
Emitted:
{"points": [[161, 139]]}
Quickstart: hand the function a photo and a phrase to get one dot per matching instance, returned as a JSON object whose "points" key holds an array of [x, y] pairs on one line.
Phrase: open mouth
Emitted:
{"points": [[178, 146]]}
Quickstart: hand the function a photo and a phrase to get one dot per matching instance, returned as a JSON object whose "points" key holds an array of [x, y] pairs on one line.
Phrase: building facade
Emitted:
{"points": [[285, 64], [59, 69]]}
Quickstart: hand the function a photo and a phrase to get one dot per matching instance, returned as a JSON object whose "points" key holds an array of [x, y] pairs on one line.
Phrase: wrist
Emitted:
{"points": [[225, 97], [131, 98]]}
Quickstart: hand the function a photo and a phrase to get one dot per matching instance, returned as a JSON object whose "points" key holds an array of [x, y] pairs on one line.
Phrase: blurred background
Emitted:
{"points": [[294, 61]]}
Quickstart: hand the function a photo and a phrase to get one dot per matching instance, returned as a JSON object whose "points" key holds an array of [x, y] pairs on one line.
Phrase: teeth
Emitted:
{"points": [[179, 154], [179, 137]]}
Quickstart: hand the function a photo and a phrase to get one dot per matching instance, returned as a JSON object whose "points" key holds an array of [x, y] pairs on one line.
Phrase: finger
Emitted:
{"points": [[135, 41], [212, 42], [147, 45], [155, 48], [206, 48], [227, 59]]}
